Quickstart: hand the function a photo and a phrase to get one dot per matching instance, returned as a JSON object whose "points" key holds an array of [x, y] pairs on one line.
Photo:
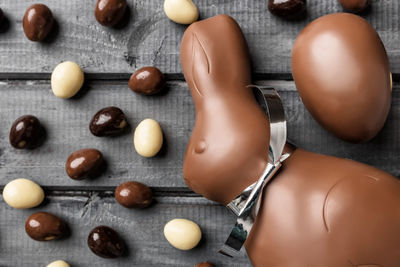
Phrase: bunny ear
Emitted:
{"points": [[193, 60], [200, 64], [214, 55], [203, 56]]}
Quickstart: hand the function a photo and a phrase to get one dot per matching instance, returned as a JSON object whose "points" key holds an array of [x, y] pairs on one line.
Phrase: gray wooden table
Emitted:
{"points": [[108, 57]]}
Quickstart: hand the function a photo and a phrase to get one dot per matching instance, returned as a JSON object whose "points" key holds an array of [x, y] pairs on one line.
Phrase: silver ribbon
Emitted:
{"points": [[246, 205]]}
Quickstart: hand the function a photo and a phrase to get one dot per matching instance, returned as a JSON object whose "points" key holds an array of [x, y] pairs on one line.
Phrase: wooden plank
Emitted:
{"points": [[149, 38], [142, 231], [67, 122]]}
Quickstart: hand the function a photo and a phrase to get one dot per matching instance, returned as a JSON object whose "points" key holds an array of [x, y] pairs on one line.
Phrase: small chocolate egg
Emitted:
{"points": [[289, 9], [67, 79], [1, 17], [105, 242], [204, 264], [110, 12], [108, 121], [148, 138], [355, 6], [44, 226], [23, 193], [133, 195], [26, 132], [84, 163], [58, 263], [147, 81], [342, 74], [182, 234], [181, 11], [38, 22]]}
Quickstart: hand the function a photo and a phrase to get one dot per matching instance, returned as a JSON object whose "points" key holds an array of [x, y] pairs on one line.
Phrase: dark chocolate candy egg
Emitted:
{"points": [[26, 132], [204, 264], [43, 226], [38, 22], [133, 195], [105, 242], [287, 8], [1, 17], [84, 163], [110, 12], [355, 6], [342, 74], [147, 81], [108, 121]]}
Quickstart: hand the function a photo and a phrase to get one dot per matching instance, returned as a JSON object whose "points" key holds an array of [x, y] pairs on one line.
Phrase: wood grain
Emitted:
{"points": [[108, 57], [142, 231], [149, 38], [66, 122]]}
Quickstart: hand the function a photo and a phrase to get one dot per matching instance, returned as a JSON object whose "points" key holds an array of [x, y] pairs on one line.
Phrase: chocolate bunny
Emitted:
{"points": [[318, 211], [231, 135]]}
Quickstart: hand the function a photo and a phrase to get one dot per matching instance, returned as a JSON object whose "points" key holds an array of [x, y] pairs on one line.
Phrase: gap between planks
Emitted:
{"points": [[126, 76], [108, 191]]}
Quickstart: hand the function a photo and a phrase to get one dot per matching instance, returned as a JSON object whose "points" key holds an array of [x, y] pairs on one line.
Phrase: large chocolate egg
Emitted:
{"points": [[342, 73]]}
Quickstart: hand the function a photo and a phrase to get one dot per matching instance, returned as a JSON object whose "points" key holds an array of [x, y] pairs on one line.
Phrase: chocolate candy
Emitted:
{"points": [[133, 195], [23, 194], [317, 210], [287, 8], [340, 203], [147, 81], [84, 163], [67, 79], [58, 263], [43, 226], [110, 12], [231, 122], [181, 11], [348, 89], [355, 6], [182, 234], [26, 132], [204, 264], [1, 17], [105, 242], [38, 22], [108, 121], [148, 138]]}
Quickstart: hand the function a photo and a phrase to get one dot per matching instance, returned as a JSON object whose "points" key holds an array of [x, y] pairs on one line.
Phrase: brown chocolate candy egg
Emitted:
{"points": [[38, 22], [105, 242], [342, 74], [26, 132], [108, 121], [84, 163], [44, 226], [147, 81], [133, 195], [287, 8], [355, 6], [204, 264], [110, 12]]}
